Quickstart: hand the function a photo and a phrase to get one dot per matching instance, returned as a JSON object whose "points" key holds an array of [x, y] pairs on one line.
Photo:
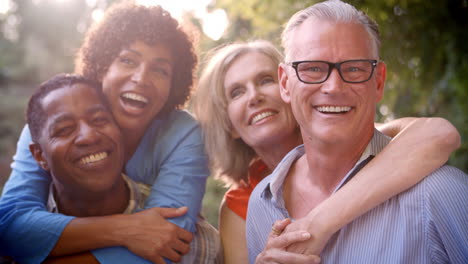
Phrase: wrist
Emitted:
{"points": [[120, 228], [321, 222]]}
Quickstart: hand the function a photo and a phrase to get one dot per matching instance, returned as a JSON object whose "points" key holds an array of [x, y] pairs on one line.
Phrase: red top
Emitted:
{"points": [[237, 199]]}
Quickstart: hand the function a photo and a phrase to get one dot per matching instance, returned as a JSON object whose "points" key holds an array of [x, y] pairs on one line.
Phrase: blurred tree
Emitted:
{"points": [[424, 43], [43, 37]]}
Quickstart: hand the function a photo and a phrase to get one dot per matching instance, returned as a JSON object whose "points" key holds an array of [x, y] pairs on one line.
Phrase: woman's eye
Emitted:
{"points": [[127, 61], [267, 80], [236, 92], [161, 70]]}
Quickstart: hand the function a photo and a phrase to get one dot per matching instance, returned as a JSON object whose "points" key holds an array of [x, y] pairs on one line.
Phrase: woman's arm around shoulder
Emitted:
{"points": [[421, 145]]}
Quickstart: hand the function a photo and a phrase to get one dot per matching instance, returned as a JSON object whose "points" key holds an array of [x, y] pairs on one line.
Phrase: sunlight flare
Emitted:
{"points": [[214, 23]]}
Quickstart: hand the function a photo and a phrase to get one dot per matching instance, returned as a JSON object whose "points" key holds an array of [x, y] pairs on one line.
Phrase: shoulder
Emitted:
{"points": [[177, 122], [175, 137], [445, 179], [181, 118], [237, 199], [446, 184], [178, 126], [444, 191], [227, 215], [445, 214]]}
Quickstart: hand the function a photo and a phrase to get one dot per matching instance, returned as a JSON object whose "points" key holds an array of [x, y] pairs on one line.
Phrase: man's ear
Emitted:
{"points": [[381, 75], [283, 80], [38, 155]]}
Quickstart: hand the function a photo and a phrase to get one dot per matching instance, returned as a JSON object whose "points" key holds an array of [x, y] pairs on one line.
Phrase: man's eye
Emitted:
{"points": [[313, 69], [100, 120], [63, 131], [353, 69]]}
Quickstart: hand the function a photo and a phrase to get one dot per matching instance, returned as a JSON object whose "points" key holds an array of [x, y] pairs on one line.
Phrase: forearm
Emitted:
{"points": [[88, 233], [86, 257], [421, 147], [392, 128]]}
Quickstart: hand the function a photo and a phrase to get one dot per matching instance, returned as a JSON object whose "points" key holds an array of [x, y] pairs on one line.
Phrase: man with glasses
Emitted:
{"points": [[333, 79]]}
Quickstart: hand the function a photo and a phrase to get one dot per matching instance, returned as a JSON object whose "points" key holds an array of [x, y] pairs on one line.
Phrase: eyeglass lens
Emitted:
{"points": [[350, 71]]}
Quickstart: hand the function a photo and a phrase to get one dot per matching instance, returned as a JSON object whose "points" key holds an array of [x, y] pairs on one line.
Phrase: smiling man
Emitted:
{"points": [[333, 78], [76, 139]]}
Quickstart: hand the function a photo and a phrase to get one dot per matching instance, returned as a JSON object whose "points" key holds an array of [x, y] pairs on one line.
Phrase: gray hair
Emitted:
{"points": [[331, 10]]}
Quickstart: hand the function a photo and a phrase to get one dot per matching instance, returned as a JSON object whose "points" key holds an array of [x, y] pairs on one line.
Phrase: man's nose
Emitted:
{"points": [[334, 83], [87, 135]]}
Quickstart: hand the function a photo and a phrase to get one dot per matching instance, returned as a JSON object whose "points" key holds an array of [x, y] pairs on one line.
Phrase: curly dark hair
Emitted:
{"points": [[122, 25], [35, 114]]}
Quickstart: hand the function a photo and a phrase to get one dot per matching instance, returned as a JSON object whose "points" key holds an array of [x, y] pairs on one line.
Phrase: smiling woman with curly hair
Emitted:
{"points": [[145, 63], [126, 23]]}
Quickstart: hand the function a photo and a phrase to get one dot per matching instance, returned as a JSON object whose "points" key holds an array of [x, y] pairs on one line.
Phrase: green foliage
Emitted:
{"points": [[13, 100], [212, 199], [47, 34]]}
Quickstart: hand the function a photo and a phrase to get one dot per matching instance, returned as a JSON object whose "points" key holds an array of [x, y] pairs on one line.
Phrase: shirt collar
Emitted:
{"points": [[274, 188], [138, 193]]}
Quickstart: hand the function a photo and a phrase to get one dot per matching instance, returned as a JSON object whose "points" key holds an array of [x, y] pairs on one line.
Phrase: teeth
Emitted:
{"points": [[136, 97], [333, 109], [261, 116], [93, 158]]}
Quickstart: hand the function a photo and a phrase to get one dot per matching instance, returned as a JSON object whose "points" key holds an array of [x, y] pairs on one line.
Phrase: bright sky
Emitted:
{"points": [[214, 23], [5, 5]]}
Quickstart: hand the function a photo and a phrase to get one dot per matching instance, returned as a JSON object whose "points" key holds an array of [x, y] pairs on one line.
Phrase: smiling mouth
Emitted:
{"points": [[89, 159], [261, 116], [333, 109], [134, 100]]}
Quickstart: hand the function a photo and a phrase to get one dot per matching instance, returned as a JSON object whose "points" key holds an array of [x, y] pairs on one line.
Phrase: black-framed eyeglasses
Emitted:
{"points": [[351, 71]]}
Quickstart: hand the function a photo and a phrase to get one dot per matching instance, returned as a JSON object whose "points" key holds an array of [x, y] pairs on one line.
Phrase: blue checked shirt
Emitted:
{"points": [[426, 224]]}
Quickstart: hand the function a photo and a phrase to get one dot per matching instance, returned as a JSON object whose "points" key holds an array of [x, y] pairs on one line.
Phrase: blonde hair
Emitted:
{"points": [[229, 158]]}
